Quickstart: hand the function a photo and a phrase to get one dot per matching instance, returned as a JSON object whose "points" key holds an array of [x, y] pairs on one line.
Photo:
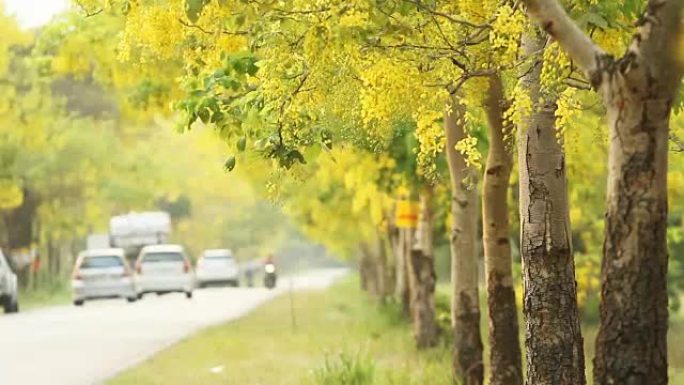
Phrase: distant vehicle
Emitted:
{"points": [[270, 275], [135, 230], [164, 269], [97, 241], [9, 293], [217, 266], [102, 273]]}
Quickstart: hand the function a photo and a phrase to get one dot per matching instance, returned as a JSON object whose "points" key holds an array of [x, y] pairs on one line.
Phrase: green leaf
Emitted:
{"points": [[597, 20], [241, 144], [230, 163], [203, 114], [240, 20], [126, 7], [193, 9]]}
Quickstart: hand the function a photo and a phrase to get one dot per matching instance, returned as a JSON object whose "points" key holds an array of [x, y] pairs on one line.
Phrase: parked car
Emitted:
{"points": [[164, 269], [102, 273], [9, 294], [217, 266]]}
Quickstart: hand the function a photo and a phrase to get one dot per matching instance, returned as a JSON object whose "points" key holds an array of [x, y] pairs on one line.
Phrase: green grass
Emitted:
{"points": [[48, 295], [338, 335], [340, 338]]}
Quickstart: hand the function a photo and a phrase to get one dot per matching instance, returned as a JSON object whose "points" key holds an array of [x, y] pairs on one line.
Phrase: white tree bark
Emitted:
{"points": [[638, 90], [465, 306]]}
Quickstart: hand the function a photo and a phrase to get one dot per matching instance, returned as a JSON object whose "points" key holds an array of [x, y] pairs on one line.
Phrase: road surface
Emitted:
{"points": [[66, 345]]}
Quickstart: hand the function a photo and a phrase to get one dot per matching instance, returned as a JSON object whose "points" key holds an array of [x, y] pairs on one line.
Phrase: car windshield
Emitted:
{"points": [[162, 257], [102, 261], [218, 256]]}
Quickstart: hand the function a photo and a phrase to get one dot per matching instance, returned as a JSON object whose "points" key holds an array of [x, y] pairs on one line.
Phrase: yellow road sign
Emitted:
{"points": [[406, 214]]}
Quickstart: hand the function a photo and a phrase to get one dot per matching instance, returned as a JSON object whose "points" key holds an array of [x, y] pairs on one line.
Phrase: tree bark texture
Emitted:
{"points": [[421, 267], [402, 290], [505, 358], [19, 224], [638, 91], [553, 339], [382, 269], [465, 309]]}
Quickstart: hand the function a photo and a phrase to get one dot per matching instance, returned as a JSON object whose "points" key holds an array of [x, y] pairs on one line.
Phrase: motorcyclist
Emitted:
{"points": [[270, 271]]}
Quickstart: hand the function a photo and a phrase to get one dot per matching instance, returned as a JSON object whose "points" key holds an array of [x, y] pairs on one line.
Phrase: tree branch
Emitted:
{"points": [[677, 142], [556, 22], [198, 27], [89, 13], [425, 7], [577, 83]]}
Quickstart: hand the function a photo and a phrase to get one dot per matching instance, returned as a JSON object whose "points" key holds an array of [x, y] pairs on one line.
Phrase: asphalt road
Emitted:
{"points": [[66, 345]]}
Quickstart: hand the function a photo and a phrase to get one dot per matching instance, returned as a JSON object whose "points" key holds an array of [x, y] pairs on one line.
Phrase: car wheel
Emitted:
{"points": [[188, 294], [7, 304], [131, 299], [78, 302], [15, 306]]}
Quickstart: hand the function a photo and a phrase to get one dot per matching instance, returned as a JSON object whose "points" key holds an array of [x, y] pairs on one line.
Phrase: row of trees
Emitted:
{"points": [[73, 153], [343, 106]]}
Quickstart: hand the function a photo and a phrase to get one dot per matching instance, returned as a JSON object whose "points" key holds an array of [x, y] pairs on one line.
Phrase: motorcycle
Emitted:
{"points": [[270, 276]]}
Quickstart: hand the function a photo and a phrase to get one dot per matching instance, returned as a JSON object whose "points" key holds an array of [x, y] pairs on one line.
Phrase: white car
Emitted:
{"points": [[9, 294], [217, 266], [102, 273], [164, 269]]}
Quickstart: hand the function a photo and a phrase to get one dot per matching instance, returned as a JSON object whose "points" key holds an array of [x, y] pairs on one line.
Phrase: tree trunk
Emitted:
{"points": [[391, 252], [465, 309], [402, 292], [422, 277], [505, 358], [382, 269], [553, 338], [638, 91], [631, 345], [369, 272], [19, 223]]}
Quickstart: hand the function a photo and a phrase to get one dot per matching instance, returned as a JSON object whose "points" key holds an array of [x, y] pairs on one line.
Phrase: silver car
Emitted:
{"points": [[102, 273], [217, 266], [164, 269], [9, 297]]}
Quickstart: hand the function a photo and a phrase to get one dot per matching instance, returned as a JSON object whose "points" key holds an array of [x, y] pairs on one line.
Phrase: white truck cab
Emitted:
{"points": [[9, 293]]}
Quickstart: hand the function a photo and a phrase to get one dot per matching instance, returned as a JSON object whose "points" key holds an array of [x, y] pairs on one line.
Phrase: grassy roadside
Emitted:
{"points": [[337, 325], [48, 296], [335, 329]]}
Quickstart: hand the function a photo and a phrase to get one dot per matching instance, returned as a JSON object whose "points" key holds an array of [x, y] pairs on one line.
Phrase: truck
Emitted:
{"points": [[98, 241], [135, 230]]}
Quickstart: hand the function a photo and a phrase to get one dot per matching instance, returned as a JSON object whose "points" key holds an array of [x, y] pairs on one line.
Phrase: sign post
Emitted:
{"points": [[406, 214]]}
